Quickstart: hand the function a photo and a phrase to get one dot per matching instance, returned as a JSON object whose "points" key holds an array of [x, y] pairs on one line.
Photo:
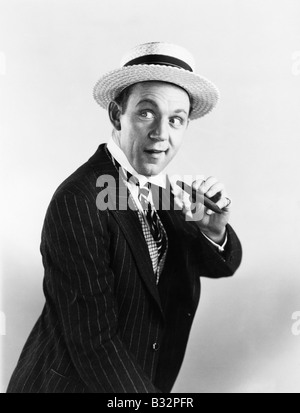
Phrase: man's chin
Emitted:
{"points": [[151, 170]]}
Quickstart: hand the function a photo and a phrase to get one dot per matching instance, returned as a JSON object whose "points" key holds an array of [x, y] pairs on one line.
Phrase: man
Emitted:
{"points": [[122, 272]]}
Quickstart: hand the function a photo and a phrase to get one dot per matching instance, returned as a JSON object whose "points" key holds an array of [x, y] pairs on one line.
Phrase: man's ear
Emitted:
{"points": [[114, 115]]}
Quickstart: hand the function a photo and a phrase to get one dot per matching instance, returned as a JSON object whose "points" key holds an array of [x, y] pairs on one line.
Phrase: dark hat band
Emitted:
{"points": [[162, 60]]}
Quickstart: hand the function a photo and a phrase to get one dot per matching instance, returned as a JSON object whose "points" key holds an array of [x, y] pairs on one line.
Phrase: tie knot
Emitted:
{"points": [[144, 193], [145, 189]]}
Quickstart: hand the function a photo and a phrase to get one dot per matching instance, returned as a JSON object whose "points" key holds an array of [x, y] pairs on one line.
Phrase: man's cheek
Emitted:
{"points": [[171, 153]]}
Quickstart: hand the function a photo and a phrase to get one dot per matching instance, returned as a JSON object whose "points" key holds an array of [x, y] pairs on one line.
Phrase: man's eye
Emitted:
{"points": [[147, 114], [177, 122]]}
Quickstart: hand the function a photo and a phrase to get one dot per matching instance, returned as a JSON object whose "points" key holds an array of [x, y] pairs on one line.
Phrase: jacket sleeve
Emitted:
{"points": [[211, 263], [76, 242], [216, 264]]}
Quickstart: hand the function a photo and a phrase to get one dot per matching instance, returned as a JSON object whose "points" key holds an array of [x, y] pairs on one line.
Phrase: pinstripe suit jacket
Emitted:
{"points": [[106, 327]]}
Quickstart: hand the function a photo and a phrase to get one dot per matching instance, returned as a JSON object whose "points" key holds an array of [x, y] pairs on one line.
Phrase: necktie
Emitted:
{"points": [[152, 219]]}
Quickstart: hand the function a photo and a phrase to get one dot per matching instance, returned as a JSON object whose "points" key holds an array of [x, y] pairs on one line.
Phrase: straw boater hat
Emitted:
{"points": [[159, 62]]}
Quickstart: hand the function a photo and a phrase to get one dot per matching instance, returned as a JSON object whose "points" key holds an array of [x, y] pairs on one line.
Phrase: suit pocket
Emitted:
{"points": [[58, 383]]}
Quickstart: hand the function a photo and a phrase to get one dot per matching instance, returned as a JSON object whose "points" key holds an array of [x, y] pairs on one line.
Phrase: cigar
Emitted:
{"points": [[204, 200]]}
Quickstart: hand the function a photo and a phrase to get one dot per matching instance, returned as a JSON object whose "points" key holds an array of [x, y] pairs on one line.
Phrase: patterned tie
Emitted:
{"points": [[152, 219]]}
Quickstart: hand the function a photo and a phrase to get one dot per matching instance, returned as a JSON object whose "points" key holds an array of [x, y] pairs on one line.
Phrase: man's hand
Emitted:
{"points": [[211, 224]]}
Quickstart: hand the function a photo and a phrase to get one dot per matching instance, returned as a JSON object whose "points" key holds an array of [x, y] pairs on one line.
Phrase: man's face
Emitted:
{"points": [[153, 125]]}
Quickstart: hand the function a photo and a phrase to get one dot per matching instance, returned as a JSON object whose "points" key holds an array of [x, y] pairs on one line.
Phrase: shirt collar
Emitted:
{"points": [[121, 158]]}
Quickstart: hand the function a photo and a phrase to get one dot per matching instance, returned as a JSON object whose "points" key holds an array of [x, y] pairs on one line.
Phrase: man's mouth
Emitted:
{"points": [[155, 151]]}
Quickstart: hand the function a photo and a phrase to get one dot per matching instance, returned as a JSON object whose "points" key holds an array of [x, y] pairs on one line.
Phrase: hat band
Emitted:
{"points": [[162, 60]]}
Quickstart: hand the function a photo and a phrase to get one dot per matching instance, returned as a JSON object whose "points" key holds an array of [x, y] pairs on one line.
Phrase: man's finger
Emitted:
{"points": [[217, 188], [197, 185], [208, 184], [209, 212], [224, 204]]}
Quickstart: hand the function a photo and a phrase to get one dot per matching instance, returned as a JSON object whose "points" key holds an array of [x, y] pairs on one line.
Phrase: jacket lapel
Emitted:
{"points": [[128, 221], [132, 230]]}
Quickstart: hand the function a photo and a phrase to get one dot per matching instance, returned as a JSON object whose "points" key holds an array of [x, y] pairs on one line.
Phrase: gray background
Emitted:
{"points": [[52, 53]]}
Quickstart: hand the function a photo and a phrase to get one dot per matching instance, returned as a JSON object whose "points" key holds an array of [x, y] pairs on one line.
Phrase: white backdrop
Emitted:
{"points": [[51, 54]]}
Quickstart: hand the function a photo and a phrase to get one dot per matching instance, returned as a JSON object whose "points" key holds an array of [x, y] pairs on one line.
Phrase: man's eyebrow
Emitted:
{"points": [[181, 111], [152, 102]]}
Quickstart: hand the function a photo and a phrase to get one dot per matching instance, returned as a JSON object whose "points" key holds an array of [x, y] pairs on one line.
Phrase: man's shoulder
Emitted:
{"points": [[82, 182]]}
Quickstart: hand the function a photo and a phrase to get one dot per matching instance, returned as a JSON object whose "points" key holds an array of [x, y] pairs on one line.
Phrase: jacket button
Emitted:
{"points": [[189, 315], [155, 346]]}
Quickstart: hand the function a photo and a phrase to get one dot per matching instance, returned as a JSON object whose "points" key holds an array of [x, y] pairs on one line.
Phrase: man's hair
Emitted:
{"points": [[123, 97]]}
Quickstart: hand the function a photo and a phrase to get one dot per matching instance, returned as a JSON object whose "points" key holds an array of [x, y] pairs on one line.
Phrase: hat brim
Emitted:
{"points": [[204, 94]]}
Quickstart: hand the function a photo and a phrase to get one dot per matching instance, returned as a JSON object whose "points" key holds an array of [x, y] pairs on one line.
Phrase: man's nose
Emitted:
{"points": [[161, 131]]}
